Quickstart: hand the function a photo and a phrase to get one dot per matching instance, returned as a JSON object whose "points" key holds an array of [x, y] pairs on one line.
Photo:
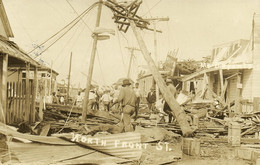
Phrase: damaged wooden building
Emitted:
{"points": [[20, 75], [232, 75]]}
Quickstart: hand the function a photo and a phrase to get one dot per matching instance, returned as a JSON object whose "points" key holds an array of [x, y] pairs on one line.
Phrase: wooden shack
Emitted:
{"points": [[17, 98]]}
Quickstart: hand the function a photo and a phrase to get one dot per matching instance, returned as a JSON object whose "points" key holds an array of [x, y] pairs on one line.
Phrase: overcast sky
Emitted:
{"points": [[195, 26]]}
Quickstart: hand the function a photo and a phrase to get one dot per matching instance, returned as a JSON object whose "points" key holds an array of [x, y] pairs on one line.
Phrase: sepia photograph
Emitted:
{"points": [[130, 82]]}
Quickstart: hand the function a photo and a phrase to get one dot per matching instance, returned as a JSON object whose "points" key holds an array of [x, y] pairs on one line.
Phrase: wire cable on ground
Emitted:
{"points": [[68, 115], [76, 19]]}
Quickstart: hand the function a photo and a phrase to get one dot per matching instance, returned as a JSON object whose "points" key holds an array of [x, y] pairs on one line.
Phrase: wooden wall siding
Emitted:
{"points": [[247, 107], [16, 102], [231, 91], [247, 81], [256, 58]]}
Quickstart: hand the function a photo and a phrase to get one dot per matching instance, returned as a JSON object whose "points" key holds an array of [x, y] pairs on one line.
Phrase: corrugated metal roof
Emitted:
{"points": [[123, 145], [36, 153]]}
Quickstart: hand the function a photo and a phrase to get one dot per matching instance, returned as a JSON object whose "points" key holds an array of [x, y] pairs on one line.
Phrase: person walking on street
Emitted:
{"points": [[128, 99], [166, 107], [151, 99]]}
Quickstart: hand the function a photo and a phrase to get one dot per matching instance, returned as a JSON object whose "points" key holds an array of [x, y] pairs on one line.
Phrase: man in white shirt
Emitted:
{"points": [[106, 100]]}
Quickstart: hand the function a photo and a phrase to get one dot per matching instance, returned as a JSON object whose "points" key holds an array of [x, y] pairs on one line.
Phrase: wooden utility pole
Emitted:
{"points": [[91, 65], [155, 21], [131, 49], [179, 113], [68, 87]]}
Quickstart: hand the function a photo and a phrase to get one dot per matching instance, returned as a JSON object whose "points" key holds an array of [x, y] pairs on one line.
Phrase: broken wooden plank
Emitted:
{"points": [[47, 140], [248, 130], [155, 134], [45, 129]]}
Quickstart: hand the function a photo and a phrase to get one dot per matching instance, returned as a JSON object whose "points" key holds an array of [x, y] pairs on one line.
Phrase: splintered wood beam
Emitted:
{"points": [[134, 19], [174, 105], [128, 24], [159, 31]]}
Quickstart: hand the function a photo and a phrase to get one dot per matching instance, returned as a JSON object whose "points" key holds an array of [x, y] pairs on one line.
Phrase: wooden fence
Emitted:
{"points": [[20, 102]]}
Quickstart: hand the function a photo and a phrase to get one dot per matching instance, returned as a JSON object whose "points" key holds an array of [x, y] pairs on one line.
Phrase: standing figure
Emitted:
{"points": [[138, 98], [54, 98], [166, 107], [115, 96], [92, 99], [106, 100], [151, 99], [127, 98], [79, 100], [62, 100]]}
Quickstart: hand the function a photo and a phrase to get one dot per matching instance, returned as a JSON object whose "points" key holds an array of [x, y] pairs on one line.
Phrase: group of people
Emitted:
{"points": [[57, 99], [151, 99], [126, 99]]}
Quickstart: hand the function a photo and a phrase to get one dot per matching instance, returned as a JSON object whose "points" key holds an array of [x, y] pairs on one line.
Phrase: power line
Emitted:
{"points": [[68, 42], [148, 8], [65, 32], [121, 50], [152, 7], [79, 17]]}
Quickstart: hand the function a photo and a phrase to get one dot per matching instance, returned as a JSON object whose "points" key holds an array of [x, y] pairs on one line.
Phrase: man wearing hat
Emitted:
{"points": [[128, 98], [151, 98], [166, 107]]}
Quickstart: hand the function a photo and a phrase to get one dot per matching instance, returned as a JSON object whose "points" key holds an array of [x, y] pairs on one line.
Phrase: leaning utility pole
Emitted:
{"points": [[68, 87], [169, 98], [91, 65], [155, 21], [131, 49]]}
